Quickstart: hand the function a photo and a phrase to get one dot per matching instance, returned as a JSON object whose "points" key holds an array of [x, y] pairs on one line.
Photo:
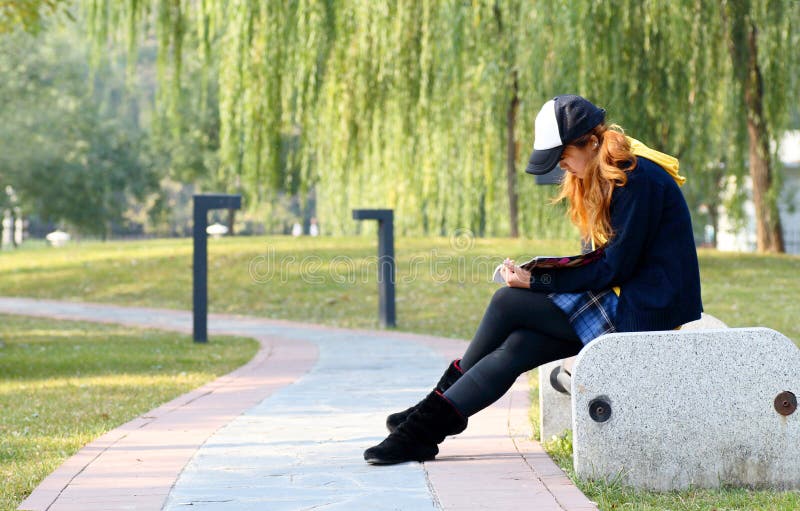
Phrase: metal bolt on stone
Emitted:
{"points": [[785, 403]]}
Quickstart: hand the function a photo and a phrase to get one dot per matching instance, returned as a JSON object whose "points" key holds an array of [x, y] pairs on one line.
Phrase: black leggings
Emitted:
{"points": [[521, 329]]}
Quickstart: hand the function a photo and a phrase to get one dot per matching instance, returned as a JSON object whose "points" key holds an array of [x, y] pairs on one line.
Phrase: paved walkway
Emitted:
{"points": [[287, 430]]}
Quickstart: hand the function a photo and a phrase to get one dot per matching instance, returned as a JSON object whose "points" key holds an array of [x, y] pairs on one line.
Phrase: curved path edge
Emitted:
{"points": [[145, 456]]}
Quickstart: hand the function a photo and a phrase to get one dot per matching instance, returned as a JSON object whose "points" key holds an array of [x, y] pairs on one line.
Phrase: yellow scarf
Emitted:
{"points": [[665, 161]]}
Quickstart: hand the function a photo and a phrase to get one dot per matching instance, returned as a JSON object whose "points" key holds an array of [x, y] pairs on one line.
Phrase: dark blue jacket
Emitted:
{"points": [[652, 256]]}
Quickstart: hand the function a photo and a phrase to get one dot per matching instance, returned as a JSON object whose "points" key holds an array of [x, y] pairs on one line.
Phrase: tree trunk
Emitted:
{"points": [[231, 221], [715, 203], [768, 221], [511, 157], [743, 46]]}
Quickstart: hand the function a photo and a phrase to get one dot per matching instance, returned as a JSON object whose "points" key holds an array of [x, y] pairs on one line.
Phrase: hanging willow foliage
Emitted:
{"points": [[403, 103]]}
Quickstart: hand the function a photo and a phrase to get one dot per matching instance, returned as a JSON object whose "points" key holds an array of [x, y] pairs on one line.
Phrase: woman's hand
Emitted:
{"points": [[514, 275]]}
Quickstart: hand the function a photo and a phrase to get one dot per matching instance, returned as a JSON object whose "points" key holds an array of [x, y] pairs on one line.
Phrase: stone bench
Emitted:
{"points": [[555, 404], [700, 407]]}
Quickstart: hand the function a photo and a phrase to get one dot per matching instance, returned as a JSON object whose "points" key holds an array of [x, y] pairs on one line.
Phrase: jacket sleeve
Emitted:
{"points": [[636, 209]]}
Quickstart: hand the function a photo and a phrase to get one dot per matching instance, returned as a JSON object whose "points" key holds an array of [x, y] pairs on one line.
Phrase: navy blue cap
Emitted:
{"points": [[560, 121]]}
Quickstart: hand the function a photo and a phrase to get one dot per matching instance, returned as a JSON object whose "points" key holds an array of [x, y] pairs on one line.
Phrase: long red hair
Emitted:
{"points": [[589, 198]]}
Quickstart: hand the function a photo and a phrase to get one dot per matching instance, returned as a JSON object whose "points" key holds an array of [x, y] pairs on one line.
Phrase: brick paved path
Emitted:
{"points": [[287, 430]]}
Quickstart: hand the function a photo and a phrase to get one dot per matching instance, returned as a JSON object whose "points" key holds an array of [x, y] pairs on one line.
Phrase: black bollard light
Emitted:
{"points": [[385, 218], [202, 204]]}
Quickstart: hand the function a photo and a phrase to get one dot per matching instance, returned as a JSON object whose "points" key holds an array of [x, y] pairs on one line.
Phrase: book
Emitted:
{"points": [[550, 262]]}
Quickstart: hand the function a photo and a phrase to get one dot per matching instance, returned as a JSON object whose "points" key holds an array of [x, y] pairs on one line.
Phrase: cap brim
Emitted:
{"points": [[543, 161]]}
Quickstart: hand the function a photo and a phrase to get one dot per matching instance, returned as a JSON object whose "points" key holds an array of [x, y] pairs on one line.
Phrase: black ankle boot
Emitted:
{"points": [[450, 376], [417, 437]]}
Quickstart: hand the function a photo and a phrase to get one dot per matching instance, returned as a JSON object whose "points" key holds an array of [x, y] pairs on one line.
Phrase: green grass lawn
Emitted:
{"points": [[65, 383], [442, 285], [442, 288]]}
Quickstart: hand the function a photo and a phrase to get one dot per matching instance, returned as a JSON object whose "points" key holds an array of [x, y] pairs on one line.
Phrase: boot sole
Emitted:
{"points": [[384, 461]]}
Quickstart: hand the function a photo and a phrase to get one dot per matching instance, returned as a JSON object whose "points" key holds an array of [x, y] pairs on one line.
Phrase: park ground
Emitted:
{"points": [[442, 288], [442, 283]]}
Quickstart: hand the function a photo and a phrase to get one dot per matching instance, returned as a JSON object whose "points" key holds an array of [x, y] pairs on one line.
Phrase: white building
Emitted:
{"points": [[744, 240]]}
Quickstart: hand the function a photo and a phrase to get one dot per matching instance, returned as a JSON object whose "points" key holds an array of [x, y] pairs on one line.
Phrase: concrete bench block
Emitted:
{"points": [[706, 321], [555, 408], [672, 410]]}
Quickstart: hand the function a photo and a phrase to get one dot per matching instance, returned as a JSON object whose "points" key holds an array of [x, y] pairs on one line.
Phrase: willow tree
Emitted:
{"points": [[401, 104], [427, 106], [692, 77], [762, 40], [413, 115], [28, 14]]}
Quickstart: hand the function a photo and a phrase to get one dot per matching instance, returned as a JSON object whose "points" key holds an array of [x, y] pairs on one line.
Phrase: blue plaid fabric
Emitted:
{"points": [[590, 314]]}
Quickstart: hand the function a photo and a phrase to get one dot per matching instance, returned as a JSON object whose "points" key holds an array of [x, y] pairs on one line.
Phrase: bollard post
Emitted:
{"points": [[386, 270], [202, 204]]}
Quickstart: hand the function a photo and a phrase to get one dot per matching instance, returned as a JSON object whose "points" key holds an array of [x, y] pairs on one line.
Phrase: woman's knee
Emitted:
{"points": [[504, 297]]}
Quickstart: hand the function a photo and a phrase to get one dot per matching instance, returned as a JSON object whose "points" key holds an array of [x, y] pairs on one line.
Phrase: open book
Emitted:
{"points": [[548, 262]]}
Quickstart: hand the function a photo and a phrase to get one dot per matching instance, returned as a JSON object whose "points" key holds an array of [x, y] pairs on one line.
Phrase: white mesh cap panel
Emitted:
{"points": [[546, 135]]}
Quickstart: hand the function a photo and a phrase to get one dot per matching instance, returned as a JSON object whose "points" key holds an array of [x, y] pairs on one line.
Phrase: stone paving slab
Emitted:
{"points": [[287, 431]]}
